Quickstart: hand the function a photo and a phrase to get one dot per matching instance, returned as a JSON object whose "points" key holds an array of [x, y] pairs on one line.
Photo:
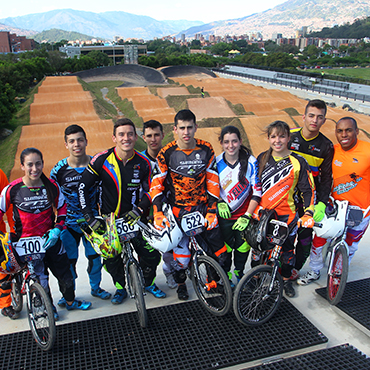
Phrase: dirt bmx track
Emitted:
{"points": [[62, 101]]}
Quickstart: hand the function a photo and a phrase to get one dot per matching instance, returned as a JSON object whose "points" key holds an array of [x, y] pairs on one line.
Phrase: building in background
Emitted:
{"points": [[11, 43]]}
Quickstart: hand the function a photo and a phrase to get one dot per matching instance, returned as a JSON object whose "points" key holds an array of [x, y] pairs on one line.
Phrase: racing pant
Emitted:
{"points": [[353, 238], [303, 244], [71, 241], [149, 259], [236, 245], [57, 261], [5, 288]]}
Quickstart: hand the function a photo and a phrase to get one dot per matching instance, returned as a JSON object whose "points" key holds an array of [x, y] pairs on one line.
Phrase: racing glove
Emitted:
{"points": [[223, 210], [160, 221], [211, 220], [133, 216], [319, 211], [306, 221], [52, 238], [97, 224], [242, 222]]}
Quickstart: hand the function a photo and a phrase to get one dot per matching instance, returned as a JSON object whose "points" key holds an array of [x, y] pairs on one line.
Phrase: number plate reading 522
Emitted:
{"points": [[192, 223], [31, 247], [126, 231]]}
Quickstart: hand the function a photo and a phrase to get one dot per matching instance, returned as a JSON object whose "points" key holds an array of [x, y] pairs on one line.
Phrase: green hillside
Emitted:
{"points": [[56, 35]]}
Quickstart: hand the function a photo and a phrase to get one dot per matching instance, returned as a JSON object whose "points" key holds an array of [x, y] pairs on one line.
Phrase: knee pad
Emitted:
{"points": [[179, 276]]}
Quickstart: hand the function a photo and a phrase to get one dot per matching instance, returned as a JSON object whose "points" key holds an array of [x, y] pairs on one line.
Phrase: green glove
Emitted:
{"points": [[241, 223], [319, 211], [223, 210]]}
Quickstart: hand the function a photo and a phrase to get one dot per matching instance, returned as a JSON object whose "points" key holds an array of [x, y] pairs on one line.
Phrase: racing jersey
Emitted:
{"points": [[318, 153], [351, 174], [68, 179], [9, 214], [188, 178], [32, 212], [151, 159], [121, 184], [234, 193], [280, 178]]}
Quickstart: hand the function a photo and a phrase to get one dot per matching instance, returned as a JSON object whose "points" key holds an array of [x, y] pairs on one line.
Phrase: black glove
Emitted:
{"points": [[133, 216], [97, 223]]}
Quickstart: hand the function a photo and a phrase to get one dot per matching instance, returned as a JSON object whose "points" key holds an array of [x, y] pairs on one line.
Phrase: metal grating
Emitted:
{"points": [[181, 336], [355, 301], [342, 357]]}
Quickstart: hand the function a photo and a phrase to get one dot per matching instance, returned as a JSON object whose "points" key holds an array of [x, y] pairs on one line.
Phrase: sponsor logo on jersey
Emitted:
{"points": [[355, 160], [338, 163], [236, 192], [227, 181], [294, 146], [345, 188], [314, 148], [277, 177]]}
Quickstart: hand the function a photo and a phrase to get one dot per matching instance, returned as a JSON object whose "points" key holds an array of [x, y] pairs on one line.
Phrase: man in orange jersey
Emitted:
{"points": [[351, 181], [186, 169], [5, 298]]}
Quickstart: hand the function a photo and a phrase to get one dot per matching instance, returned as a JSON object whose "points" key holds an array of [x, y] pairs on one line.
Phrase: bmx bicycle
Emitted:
{"points": [[339, 216], [210, 282], [258, 294], [25, 282], [116, 240]]}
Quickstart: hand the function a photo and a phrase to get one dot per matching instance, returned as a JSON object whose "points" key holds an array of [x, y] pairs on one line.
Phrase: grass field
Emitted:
{"points": [[363, 73]]}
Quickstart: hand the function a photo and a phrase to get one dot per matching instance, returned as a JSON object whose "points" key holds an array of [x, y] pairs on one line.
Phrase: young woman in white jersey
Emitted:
{"points": [[240, 193]]}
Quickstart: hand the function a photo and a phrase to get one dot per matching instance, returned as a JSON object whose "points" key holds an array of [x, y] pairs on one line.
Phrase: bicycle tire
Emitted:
{"points": [[136, 288], [16, 295], [337, 277], [218, 299], [41, 317], [252, 306]]}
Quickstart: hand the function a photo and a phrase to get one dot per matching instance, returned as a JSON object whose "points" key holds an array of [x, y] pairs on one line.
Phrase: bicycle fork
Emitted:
{"points": [[275, 254], [331, 260]]}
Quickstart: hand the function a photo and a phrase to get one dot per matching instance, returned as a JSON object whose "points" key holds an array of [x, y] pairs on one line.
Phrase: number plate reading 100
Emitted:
{"points": [[192, 223], [126, 231], [31, 245]]}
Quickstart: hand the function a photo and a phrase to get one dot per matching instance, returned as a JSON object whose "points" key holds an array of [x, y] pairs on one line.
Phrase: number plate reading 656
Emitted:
{"points": [[31, 246], [192, 223], [126, 231]]}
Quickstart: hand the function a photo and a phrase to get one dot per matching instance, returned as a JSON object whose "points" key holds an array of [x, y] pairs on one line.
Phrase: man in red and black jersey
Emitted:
{"points": [[124, 176], [318, 151], [187, 172]]}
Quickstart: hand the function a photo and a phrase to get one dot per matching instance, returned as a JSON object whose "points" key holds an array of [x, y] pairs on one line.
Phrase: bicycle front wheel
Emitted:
{"points": [[253, 304], [16, 295], [337, 276], [136, 288], [211, 285], [41, 317]]}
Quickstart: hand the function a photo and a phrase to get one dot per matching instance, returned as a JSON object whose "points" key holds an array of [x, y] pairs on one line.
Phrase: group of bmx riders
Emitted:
{"points": [[295, 177]]}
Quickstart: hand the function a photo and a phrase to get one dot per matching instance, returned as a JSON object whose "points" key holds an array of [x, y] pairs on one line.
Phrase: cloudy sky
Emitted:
{"points": [[202, 10]]}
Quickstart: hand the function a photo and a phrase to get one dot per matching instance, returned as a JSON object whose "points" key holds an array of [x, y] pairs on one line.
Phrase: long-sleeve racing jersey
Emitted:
{"points": [[121, 185], [318, 153], [188, 178], [279, 179]]}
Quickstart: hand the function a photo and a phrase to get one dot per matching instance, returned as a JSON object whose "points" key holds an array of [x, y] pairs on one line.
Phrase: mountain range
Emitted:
{"points": [[285, 18]]}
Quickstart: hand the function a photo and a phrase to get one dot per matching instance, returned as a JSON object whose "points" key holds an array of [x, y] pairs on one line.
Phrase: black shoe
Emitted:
{"points": [[9, 311], [182, 293], [288, 288]]}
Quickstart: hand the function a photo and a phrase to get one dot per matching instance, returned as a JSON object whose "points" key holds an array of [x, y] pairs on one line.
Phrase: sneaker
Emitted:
{"points": [[182, 292], [100, 293], [78, 305], [9, 312], [295, 275], [155, 291], [119, 296], [288, 288], [308, 277], [56, 314], [170, 281], [62, 302]]}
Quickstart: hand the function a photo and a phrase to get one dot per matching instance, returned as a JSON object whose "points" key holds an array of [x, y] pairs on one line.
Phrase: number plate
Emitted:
{"points": [[126, 231], [31, 248], [192, 223], [277, 232]]}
